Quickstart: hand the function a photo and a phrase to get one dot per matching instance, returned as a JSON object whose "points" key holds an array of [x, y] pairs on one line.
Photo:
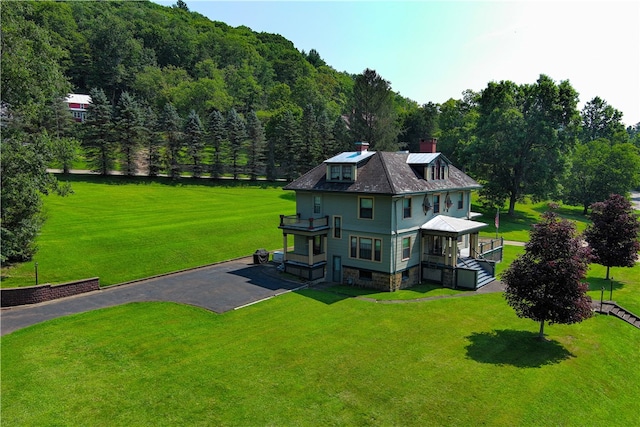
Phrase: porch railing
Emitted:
{"points": [[295, 221], [304, 259]]}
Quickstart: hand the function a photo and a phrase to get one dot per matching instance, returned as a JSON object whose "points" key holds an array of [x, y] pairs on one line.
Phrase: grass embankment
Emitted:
{"points": [[123, 229], [315, 358]]}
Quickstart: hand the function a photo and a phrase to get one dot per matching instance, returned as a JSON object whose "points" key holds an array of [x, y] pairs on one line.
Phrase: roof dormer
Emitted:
{"points": [[344, 166]]}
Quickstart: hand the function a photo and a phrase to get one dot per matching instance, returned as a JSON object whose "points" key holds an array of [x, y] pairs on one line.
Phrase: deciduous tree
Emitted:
{"points": [[601, 120], [599, 168], [613, 234], [523, 135], [545, 283], [24, 178]]}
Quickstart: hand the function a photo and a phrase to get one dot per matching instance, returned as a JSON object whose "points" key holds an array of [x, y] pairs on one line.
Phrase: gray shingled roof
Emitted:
{"points": [[384, 173]]}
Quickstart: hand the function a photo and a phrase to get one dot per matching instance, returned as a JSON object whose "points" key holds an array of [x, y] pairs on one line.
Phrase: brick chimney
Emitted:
{"points": [[362, 147], [428, 145]]}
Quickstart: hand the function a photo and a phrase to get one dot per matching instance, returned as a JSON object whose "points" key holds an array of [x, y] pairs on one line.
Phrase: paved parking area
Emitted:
{"points": [[219, 288]]}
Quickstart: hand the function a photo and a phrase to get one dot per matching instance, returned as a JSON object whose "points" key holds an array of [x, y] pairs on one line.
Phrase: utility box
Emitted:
{"points": [[278, 257], [261, 256]]}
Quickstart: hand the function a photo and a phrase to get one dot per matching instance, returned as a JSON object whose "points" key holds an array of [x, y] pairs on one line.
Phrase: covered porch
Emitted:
{"points": [[308, 259], [452, 253]]}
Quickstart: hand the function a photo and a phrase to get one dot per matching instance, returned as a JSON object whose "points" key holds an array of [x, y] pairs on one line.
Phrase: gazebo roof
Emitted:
{"points": [[448, 224]]}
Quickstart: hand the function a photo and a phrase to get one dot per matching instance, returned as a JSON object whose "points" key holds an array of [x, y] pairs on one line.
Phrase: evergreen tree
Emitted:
{"points": [[194, 138], [129, 125], [218, 141], [327, 146], [614, 232], [153, 142], [341, 135], [255, 155], [237, 137], [288, 138], [545, 283], [373, 118], [58, 119], [173, 137], [309, 149], [98, 141]]}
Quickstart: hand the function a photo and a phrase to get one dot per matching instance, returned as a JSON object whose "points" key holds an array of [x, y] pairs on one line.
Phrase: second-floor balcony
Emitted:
{"points": [[297, 223]]}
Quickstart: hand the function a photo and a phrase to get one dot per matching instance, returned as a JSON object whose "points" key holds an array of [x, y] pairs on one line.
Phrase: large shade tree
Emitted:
{"points": [[523, 134], [601, 120], [597, 169], [545, 283], [613, 233]]}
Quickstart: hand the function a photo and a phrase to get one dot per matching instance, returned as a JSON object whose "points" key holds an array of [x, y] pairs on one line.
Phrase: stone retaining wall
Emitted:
{"points": [[11, 297]]}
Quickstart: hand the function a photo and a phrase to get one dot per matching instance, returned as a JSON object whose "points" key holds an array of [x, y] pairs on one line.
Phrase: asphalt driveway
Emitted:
{"points": [[219, 288]]}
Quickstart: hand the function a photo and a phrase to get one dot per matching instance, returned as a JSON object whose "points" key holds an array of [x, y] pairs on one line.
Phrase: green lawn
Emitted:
{"points": [[303, 358], [315, 358], [516, 227], [122, 229]]}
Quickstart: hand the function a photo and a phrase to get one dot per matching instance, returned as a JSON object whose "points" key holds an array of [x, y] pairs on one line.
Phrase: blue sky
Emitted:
{"points": [[433, 51]]}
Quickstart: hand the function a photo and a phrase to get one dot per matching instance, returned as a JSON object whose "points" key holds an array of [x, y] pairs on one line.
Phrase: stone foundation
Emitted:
{"points": [[381, 281]]}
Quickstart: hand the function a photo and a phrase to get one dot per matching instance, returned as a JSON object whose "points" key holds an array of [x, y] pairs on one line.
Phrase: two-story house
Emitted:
{"points": [[78, 105], [386, 221]]}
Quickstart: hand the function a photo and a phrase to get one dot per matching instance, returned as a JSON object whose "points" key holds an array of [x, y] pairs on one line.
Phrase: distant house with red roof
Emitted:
{"points": [[78, 105]]}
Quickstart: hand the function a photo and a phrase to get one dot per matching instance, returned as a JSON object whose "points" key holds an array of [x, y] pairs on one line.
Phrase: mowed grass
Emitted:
{"points": [[122, 229], [313, 358], [516, 227]]}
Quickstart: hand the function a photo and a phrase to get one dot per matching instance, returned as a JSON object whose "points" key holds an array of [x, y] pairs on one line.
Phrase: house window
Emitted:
{"points": [[337, 227], [365, 210], [405, 275], [436, 204], [365, 248], [461, 201], [346, 173], [317, 204], [340, 173], [334, 172], [406, 248], [406, 208]]}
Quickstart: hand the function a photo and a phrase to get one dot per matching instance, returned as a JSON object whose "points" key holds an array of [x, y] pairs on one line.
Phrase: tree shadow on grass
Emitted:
{"points": [[516, 348]]}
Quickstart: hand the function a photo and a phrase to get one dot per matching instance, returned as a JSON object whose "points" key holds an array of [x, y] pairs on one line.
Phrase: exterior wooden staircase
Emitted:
{"points": [[611, 308], [484, 277]]}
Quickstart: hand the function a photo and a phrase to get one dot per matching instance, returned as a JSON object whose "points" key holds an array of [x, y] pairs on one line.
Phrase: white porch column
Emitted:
{"points": [[310, 250]]}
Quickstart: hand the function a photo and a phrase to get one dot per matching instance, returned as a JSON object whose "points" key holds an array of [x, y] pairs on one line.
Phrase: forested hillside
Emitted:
{"points": [[176, 93]]}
